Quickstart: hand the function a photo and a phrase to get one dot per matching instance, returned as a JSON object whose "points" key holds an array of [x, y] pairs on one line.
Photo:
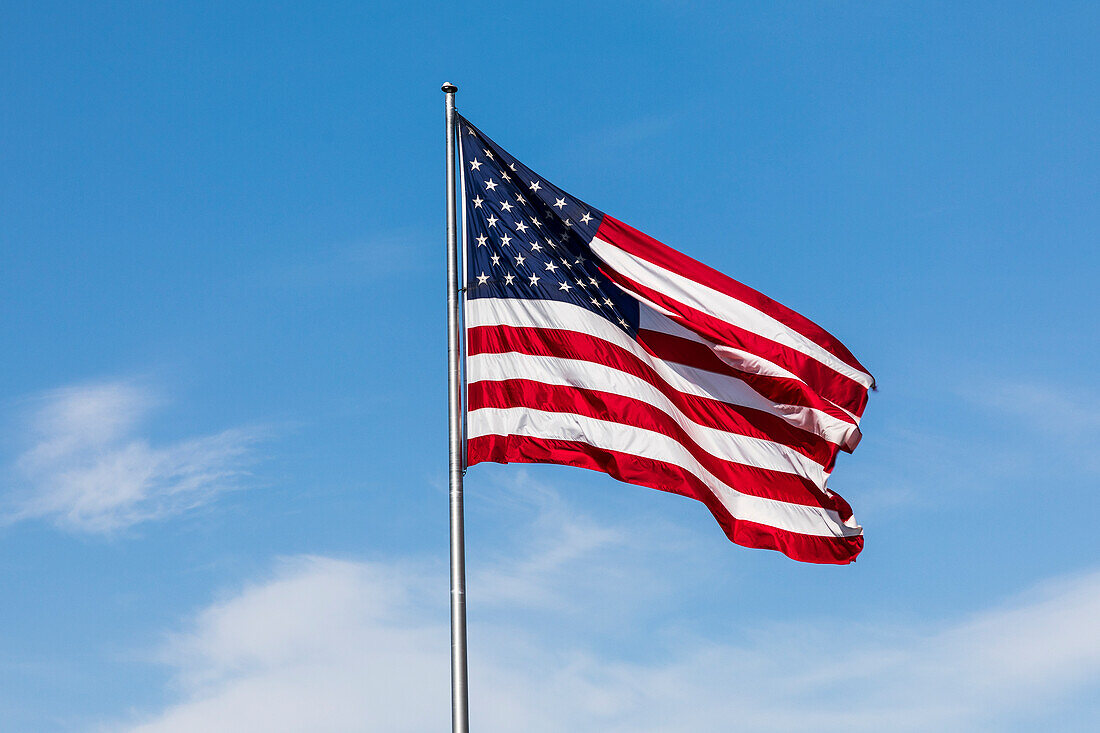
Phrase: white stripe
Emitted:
{"points": [[653, 318], [723, 445], [523, 312], [719, 305], [526, 422]]}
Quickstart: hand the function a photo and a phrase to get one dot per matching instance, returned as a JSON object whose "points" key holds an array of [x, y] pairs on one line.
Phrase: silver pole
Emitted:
{"points": [[460, 700]]}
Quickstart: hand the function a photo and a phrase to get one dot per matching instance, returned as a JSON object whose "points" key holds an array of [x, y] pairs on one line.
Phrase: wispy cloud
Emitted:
{"points": [[380, 258], [551, 539], [1066, 412], [90, 470], [629, 134], [337, 645], [642, 129], [1061, 420], [985, 435]]}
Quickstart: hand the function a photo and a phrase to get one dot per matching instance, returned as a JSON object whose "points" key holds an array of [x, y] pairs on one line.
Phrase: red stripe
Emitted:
{"points": [[664, 477], [833, 386], [782, 390], [752, 480], [639, 244], [705, 411]]}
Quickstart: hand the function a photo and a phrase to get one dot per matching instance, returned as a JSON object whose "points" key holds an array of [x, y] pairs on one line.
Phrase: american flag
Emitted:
{"points": [[592, 344]]}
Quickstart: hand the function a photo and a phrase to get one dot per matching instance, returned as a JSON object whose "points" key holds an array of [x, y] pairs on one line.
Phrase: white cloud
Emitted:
{"points": [[332, 645], [89, 470]]}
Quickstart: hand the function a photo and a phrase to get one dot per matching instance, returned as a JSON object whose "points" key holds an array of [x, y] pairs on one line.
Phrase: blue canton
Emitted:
{"points": [[526, 238]]}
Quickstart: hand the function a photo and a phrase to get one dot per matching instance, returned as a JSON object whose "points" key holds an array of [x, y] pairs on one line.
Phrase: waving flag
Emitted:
{"points": [[591, 344]]}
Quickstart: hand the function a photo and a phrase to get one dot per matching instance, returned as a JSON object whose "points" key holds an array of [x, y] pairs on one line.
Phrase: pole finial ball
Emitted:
{"points": [[449, 88]]}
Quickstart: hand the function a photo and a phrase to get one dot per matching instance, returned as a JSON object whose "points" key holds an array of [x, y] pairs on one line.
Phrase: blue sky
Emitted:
{"points": [[222, 402]]}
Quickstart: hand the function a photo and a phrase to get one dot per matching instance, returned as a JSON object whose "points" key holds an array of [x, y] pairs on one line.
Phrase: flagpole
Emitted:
{"points": [[460, 702]]}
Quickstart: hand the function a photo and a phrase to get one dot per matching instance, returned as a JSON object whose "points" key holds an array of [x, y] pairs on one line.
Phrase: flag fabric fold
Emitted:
{"points": [[592, 344]]}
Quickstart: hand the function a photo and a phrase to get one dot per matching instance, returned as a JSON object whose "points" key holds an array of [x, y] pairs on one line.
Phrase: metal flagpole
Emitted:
{"points": [[460, 702]]}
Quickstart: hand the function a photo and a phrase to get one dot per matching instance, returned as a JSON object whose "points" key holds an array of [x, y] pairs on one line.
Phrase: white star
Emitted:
{"points": [[469, 131], [565, 287], [509, 278], [505, 240], [607, 302], [521, 227], [506, 206], [493, 220], [595, 302], [536, 222], [481, 240], [505, 176], [491, 184], [560, 203], [535, 186], [622, 323], [551, 266], [520, 260], [535, 247], [488, 154], [478, 201], [520, 199], [482, 279], [475, 164], [586, 218], [593, 281], [534, 279], [568, 223], [495, 259], [512, 166], [567, 263]]}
